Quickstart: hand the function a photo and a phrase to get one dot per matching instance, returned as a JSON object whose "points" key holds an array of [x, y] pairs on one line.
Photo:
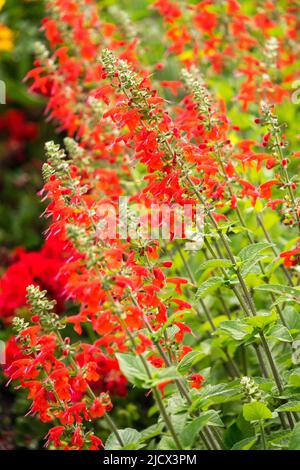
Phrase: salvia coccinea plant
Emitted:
{"points": [[182, 122]]}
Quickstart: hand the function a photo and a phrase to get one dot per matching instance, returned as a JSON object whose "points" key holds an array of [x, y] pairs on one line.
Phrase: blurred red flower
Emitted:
{"points": [[35, 267]]}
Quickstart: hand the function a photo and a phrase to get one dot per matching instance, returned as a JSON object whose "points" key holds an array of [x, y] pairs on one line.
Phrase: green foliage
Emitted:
{"points": [[130, 437], [250, 256], [134, 370], [294, 443], [256, 411], [236, 329], [289, 406], [209, 286], [227, 338], [192, 430], [189, 361], [215, 263]]}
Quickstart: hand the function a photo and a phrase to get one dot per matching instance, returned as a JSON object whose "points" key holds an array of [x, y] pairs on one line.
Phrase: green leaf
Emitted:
{"points": [[251, 251], [207, 287], [294, 443], [193, 429], [133, 369], [240, 228], [179, 422], [162, 375], [188, 361], [262, 321], [166, 443], [291, 292], [279, 439], [130, 437], [176, 404], [280, 332], [236, 329], [256, 411], [249, 266], [292, 318], [245, 444], [215, 263], [294, 380], [215, 394], [250, 257], [284, 299], [151, 432], [292, 405]]}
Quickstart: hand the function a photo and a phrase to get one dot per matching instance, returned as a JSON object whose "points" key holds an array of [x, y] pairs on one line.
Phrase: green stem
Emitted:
{"points": [[231, 363], [268, 238], [166, 418], [263, 436], [250, 304], [156, 393]]}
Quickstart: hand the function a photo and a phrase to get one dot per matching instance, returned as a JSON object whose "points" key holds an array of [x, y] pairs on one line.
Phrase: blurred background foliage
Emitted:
{"points": [[22, 130], [22, 133]]}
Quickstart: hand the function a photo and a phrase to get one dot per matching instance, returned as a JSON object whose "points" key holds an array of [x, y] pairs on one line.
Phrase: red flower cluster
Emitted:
{"points": [[57, 388]]}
